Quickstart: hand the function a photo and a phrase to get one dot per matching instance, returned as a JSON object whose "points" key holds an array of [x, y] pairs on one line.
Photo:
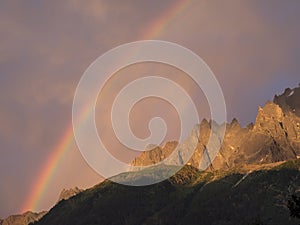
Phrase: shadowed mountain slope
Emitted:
{"points": [[190, 197]]}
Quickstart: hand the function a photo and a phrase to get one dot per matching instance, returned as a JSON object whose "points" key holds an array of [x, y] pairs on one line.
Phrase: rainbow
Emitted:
{"points": [[160, 24], [47, 172], [57, 154]]}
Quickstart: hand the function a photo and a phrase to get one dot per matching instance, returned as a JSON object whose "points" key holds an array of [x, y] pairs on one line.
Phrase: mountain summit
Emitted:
{"points": [[249, 182], [68, 193], [274, 137], [289, 100]]}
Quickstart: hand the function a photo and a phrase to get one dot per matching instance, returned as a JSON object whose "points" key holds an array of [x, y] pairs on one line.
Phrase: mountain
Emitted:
{"points": [[23, 219], [68, 193], [250, 181], [274, 137], [156, 154], [289, 100], [29, 217], [227, 197]]}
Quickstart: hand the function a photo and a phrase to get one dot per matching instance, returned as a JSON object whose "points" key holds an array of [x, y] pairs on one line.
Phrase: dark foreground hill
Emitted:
{"points": [[190, 197]]}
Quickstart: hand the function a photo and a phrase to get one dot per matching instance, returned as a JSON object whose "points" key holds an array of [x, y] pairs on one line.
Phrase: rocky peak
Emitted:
{"points": [[289, 100], [30, 217], [235, 122], [155, 154], [234, 125], [274, 137], [68, 193], [23, 219], [268, 117], [205, 123]]}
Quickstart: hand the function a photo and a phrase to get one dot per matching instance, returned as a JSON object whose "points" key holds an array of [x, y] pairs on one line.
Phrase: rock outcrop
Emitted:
{"points": [[155, 154], [23, 219], [30, 217], [289, 101], [274, 137], [68, 193]]}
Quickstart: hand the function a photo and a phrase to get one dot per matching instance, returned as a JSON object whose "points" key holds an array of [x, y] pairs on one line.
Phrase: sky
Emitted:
{"points": [[251, 46]]}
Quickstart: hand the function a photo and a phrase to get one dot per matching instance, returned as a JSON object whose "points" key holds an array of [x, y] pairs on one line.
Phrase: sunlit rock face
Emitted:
{"points": [[274, 137], [68, 193], [23, 219]]}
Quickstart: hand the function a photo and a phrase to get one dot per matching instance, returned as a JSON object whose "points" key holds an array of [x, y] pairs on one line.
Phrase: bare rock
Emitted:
{"points": [[23, 219], [68, 193], [274, 137]]}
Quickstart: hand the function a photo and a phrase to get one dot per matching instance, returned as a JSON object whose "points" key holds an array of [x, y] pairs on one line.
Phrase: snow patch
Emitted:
{"points": [[292, 92]]}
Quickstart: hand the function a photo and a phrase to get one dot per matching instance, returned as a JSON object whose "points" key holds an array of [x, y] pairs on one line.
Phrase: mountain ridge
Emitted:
{"points": [[23, 219], [249, 182], [274, 137], [258, 149], [29, 217], [189, 197]]}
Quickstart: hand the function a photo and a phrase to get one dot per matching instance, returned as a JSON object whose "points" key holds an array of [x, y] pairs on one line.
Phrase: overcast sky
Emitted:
{"points": [[251, 46]]}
